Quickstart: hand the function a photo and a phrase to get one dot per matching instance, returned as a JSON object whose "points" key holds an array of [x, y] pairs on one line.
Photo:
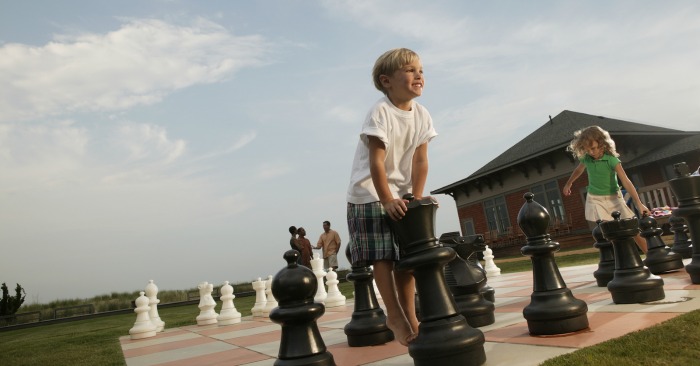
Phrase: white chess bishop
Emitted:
{"points": [[228, 315]]}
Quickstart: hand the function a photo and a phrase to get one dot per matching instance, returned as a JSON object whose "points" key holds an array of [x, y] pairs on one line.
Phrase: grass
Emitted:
{"points": [[96, 341]]}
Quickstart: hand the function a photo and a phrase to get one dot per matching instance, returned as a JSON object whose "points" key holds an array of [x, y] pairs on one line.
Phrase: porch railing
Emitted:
{"points": [[657, 195]]}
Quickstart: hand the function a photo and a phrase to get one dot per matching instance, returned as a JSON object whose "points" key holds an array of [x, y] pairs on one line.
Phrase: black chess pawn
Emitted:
{"points": [[367, 327], [660, 258], [606, 265], [444, 336], [553, 309], [294, 287], [687, 191], [465, 279], [681, 243], [632, 282]]}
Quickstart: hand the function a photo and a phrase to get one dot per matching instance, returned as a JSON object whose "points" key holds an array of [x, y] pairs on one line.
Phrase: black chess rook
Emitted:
{"points": [[553, 309], [632, 282], [444, 336]]}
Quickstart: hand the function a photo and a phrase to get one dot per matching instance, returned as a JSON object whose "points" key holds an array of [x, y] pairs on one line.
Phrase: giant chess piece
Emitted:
{"points": [[687, 190], [271, 302], [466, 279], [553, 309], [317, 268], [660, 258], [606, 264], [260, 299], [490, 266], [367, 327], [632, 281], [152, 294], [444, 337], [335, 298], [207, 315], [681, 243], [294, 288], [143, 327], [228, 315]]}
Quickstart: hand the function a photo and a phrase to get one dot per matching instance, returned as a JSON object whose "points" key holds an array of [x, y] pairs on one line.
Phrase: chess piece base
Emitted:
{"points": [[693, 269], [555, 312], [605, 273], [321, 359], [449, 341], [636, 285], [663, 261]]}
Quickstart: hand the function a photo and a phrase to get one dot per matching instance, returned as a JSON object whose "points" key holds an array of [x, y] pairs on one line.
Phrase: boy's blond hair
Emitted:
{"points": [[584, 136], [389, 62]]}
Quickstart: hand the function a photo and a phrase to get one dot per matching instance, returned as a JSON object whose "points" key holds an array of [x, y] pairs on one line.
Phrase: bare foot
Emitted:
{"points": [[402, 330]]}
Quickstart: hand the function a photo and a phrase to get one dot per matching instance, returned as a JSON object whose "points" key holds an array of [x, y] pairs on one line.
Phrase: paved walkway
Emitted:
{"points": [[255, 341]]}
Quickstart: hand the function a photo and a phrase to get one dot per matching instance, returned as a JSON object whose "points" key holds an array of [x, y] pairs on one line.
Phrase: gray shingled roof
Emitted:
{"points": [[679, 147], [556, 134]]}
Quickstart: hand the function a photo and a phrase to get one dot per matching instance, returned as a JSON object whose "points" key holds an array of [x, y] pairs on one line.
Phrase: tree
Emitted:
{"points": [[10, 304]]}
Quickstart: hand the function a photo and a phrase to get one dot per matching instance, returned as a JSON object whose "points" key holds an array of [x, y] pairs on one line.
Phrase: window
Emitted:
{"points": [[468, 226], [496, 214], [548, 195]]}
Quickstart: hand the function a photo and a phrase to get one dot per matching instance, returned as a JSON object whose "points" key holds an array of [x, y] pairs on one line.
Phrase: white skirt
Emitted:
{"points": [[601, 207]]}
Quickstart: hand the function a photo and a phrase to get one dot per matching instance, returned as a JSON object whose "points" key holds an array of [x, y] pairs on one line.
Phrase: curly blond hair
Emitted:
{"points": [[389, 62], [584, 136]]}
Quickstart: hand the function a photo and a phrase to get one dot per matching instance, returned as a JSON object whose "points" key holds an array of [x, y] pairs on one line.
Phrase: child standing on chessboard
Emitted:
{"points": [[596, 152], [391, 160]]}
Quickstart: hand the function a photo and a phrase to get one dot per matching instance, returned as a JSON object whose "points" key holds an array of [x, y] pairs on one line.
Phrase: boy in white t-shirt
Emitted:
{"points": [[391, 160]]}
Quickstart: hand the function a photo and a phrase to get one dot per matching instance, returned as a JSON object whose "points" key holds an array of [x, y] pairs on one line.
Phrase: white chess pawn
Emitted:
{"points": [[143, 327], [334, 298], [271, 301], [228, 315], [152, 294], [317, 268], [489, 265], [207, 315], [260, 301]]}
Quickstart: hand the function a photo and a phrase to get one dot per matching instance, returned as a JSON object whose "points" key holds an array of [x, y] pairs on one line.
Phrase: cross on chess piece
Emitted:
{"points": [[317, 268], [367, 327], [335, 298], [143, 327], [207, 315], [152, 294], [260, 299], [228, 314], [687, 190], [632, 282], [270, 303], [553, 309], [659, 258], [490, 266], [444, 336], [294, 288]]}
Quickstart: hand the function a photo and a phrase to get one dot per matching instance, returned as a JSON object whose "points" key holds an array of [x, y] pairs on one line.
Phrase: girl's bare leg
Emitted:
{"points": [[641, 243], [395, 317]]}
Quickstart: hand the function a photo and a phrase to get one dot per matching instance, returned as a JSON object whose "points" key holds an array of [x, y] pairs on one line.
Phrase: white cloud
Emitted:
{"points": [[149, 142], [138, 64]]}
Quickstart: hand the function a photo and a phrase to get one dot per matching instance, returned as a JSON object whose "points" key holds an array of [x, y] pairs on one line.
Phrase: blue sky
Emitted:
{"points": [[178, 140]]}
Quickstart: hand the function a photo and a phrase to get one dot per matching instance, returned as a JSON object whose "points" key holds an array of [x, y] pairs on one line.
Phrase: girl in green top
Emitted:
{"points": [[595, 150]]}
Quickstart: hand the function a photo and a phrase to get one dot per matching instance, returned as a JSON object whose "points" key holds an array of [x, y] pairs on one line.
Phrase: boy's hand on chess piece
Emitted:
{"points": [[396, 208]]}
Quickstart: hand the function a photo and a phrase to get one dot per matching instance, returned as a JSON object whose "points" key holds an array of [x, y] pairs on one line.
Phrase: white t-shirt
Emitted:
{"points": [[401, 132]]}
